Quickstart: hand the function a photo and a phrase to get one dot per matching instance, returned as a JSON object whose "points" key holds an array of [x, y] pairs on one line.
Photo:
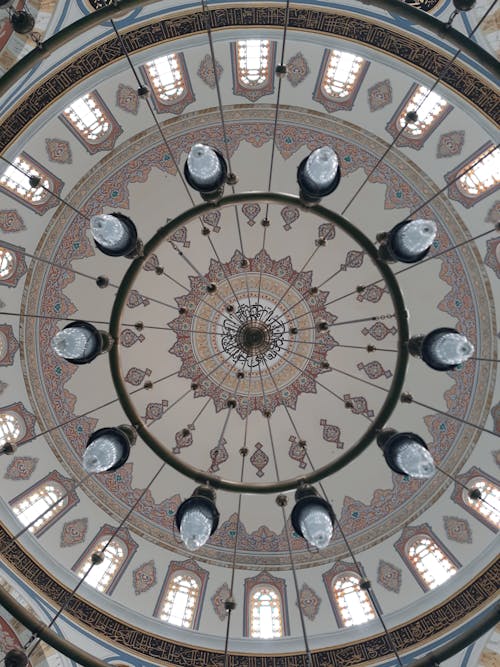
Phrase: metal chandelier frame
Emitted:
{"points": [[483, 621]]}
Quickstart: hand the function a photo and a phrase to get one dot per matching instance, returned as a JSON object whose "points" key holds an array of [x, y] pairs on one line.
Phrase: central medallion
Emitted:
{"points": [[258, 338], [253, 338]]}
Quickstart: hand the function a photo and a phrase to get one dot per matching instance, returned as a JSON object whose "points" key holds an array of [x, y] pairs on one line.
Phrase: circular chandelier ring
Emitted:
{"points": [[393, 393]]}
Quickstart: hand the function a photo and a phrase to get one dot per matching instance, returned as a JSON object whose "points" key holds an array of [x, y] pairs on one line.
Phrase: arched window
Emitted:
{"points": [[484, 176], [40, 502], [429, 107], [16, 179], [7, 263], [341, 74], [166, 76], [182, 593], [253, 66], [353, 603], [116, 551], [429, 561], [181, 600], [101, 576], [488, 506], [11, 427], [253, 61], [88, 118], [266, 614]]}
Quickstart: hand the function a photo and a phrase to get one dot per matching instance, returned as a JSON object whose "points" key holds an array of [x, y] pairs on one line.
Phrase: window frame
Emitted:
{"points": [[260, 589], [265, 579], [180, 102], [124, 538], [460, 495], [405, 138], [334, 103], [191, 568], [408, 537], [65, 485], [342, 570], [108, 139], [252, 91], [182, 575]]}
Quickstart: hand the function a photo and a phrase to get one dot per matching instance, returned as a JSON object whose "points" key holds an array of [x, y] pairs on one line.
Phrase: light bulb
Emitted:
{"points": [[321, 167], [196, 526], [109, 231], [416, 236], [316, 525], [103, 453], [74, 343], [204, 166], [413, 459], [451, 348]]}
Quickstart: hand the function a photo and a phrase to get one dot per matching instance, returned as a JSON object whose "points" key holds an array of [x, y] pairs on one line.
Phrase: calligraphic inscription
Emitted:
{"points": [[452, 612], [357, 29]]}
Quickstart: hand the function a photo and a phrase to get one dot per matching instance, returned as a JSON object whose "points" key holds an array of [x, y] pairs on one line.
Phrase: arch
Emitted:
{"points": [[486, 508], [7, 263], [90, 120], [479, 181], [349, 598], [182, 594], [427, 558], [39, 504], [12, 427], [253, 67], [339, 80], [169, 81], [265, 607], [432, 110], [116, 551]]}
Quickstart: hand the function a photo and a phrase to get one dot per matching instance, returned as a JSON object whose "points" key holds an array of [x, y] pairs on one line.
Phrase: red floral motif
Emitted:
{"points": [[297, 452], [331, 433], [259, 459]]}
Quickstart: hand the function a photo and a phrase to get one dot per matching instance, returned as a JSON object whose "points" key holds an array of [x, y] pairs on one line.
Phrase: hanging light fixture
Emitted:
{"points": [[312, 517], [16, 657], [318, 174], [22, 21], [406, 453], [108, 448], [206, 171], [115, 234], [443, 349], [80, 342], [408, 242], [197, 518]]}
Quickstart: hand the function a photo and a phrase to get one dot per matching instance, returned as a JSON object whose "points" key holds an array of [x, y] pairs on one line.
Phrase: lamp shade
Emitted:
{"points": [[108, 449], [443, 349], [318, 174], [312, 517], [78, 342], [114, 234], [206, 170], [410, 241], [406, 454], [16, 657], [197, 518], [22, 22]]}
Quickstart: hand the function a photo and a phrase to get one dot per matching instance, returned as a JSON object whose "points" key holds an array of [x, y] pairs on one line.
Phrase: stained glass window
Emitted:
{"points": [[430, 562], [11, 427], [7, 263], [166, 76], [16, 179], [429, 107], [181, 599], [88, 118], [101, 575], [266, 615], [341, 74], [253, 61], [37, 503], [483, 176], [353, 603], [488, 506]]}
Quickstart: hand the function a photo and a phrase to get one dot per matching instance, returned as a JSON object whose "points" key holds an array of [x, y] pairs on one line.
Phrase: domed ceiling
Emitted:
{"points": [[328, 326]]}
